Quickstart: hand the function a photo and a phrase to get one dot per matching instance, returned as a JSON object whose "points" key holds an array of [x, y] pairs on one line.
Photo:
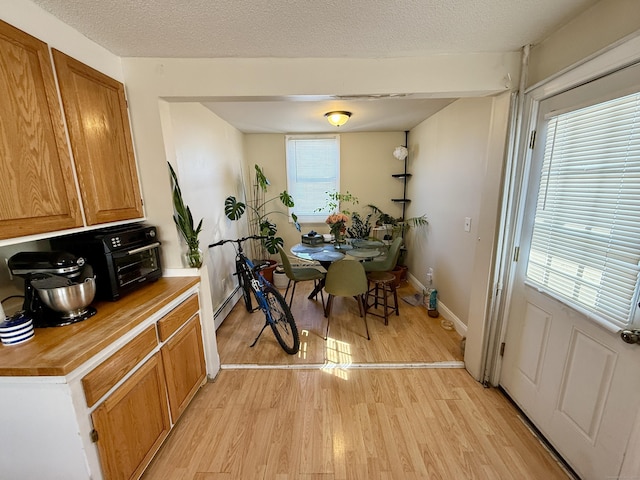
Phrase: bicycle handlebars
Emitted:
{"points": [[238, 240]]}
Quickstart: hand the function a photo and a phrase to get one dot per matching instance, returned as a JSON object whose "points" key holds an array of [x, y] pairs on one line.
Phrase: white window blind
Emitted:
{"points": [[585, 246], [313, 169]]}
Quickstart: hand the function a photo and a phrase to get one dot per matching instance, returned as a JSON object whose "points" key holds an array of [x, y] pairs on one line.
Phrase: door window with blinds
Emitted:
{"points": [[313, 169], [585, 247]]}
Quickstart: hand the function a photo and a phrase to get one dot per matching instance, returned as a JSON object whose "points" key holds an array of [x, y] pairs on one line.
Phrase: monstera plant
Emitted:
{"points": [[260, 221]]}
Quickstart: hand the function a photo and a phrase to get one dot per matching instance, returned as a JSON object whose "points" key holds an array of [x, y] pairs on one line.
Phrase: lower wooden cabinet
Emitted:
{"points": [[133, 422], [184, 366]]}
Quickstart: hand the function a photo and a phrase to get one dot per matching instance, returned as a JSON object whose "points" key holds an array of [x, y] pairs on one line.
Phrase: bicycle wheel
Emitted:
{"points": [[244, 280], [282, 322]]}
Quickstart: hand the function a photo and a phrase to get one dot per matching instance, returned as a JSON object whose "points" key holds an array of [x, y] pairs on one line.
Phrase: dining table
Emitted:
{"points": [[327, 253]]}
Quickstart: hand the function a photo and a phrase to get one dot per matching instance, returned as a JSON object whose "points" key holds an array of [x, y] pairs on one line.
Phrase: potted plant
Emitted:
{"points": [[260, 222], [398, 226], [360, 227], [184, 221]]}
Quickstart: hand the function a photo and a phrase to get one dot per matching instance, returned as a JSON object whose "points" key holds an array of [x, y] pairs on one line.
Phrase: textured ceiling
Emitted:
{"points": [[314, 29]]}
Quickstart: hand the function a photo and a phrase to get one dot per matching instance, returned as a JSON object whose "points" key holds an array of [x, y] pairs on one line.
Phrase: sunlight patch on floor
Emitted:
{"points": [[338, 358], [304, 344]]}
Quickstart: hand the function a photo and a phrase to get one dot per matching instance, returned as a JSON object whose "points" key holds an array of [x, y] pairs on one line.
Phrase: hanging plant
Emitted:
{"points": [[184, 221]]}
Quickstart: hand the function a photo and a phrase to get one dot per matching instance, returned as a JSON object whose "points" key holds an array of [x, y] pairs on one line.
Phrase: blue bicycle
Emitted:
{"points": [[276, 311]]}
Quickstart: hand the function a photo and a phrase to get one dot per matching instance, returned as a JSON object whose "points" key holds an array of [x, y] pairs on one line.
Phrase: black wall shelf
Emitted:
{"points": [[401, 175], [404, 176]]}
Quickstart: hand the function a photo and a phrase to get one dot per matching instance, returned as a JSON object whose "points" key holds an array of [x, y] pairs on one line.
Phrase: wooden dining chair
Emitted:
{"points": [[346, 278], [299, 274]]}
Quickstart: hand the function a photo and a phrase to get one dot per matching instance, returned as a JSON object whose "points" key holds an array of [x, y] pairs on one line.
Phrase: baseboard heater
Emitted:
{"points": [[224, 304]]}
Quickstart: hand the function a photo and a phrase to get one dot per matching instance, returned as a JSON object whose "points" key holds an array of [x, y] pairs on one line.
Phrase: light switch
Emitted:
{"points": [[467, 224]]}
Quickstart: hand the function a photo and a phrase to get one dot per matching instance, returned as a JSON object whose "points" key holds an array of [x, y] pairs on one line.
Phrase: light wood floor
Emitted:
{"points": [[307, 422], [411, 337]]}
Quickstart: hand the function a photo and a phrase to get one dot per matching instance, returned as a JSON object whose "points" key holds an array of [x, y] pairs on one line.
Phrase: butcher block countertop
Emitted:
{"points": [[57, 351]]}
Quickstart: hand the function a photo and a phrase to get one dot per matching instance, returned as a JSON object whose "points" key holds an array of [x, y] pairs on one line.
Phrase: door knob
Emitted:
{"points": [[630, 336]]}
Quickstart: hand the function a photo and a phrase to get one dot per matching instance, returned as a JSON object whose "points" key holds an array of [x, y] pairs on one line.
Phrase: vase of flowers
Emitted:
{"points": [[338, 227]]}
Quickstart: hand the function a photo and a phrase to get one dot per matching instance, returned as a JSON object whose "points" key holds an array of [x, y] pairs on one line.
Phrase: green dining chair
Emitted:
{"points": [[387, 263], [346, 278], [300, 274]]}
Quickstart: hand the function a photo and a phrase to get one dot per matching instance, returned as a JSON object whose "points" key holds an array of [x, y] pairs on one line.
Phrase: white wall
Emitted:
{"points": [[207, 155]]}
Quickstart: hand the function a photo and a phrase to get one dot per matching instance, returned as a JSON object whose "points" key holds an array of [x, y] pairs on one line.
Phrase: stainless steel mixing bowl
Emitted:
{"points": [[72, 301]]}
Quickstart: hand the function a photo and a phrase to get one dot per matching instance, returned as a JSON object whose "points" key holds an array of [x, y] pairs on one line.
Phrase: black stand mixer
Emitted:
{"points": [[58, 287]]}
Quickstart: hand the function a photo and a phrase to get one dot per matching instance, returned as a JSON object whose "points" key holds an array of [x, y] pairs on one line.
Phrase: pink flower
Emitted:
{"points": [[336, 218]]}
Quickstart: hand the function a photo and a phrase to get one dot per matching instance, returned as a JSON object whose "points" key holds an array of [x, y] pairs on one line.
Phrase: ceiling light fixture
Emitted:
{"points": [[337, 119]]}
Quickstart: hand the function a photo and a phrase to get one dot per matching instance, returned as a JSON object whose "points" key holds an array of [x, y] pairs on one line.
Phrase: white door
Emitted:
{"points": [[564, 362]]}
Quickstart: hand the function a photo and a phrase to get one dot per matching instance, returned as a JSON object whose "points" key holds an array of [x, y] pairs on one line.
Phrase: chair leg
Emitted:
{"points": [[385, 305], [293, 291], [395, 299], [316, 283], [327, 314], [361, 305], [327, 308], [287, 291]]}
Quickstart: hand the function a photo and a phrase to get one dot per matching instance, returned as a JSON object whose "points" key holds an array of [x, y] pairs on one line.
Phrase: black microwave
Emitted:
{"points": [[123, 258]]}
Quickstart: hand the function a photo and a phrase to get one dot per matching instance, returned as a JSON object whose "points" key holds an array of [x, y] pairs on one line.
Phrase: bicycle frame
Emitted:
{"points": [[258, 282]]}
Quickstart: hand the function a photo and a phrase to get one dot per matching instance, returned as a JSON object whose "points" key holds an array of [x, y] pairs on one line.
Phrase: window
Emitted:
{"points": [[313, 169], [585, 247]]}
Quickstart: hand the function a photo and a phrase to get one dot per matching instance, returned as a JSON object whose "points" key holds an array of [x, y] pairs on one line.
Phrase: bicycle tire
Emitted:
{"points": [[244, 281], [283, 325]]}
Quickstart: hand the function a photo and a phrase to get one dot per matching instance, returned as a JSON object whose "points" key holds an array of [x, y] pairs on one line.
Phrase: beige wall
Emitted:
{"points": [[604, 24], [448, 158], [365, 171]]}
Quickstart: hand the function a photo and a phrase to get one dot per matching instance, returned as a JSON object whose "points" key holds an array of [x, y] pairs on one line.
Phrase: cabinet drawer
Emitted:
{"points": [[100, 380], [177, 317]]}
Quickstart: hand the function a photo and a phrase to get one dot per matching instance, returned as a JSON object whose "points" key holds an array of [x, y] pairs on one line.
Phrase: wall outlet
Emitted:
{"points": [[467, 224]]}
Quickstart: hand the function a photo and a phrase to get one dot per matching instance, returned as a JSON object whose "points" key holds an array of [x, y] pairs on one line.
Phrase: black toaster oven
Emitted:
{"points": [[124, 258]]}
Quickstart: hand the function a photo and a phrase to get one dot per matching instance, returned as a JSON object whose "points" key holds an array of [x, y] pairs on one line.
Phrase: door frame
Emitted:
{"points": [[616, 57]]}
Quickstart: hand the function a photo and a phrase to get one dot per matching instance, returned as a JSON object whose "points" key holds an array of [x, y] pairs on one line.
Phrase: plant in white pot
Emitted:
{"points": [[184, 222], [260, 222]]}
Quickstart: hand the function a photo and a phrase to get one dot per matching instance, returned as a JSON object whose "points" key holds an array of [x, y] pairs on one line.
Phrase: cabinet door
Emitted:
{"points": [[133, 422], [100, 134], [38, 191], [184, 366]]}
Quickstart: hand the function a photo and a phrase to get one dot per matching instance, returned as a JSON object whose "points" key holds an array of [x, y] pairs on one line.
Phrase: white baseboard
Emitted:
{"points": [[460, 327]]}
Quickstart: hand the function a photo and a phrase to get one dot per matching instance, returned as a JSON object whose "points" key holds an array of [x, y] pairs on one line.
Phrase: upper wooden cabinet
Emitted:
{"points": [[37, 191], [98, 123]]}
